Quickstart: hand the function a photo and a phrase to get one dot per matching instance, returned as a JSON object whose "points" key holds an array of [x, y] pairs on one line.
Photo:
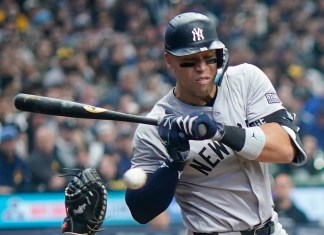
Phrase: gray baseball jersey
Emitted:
{"points": [[218, 190]]}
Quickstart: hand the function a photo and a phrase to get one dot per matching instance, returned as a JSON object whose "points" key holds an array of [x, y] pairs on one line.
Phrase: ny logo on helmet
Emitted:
{"points": [[197, 34]]}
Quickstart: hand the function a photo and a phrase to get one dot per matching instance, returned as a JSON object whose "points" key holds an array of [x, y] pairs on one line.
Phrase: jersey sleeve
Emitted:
{"points": [[264, 105], [148, 151], [262, 98]]}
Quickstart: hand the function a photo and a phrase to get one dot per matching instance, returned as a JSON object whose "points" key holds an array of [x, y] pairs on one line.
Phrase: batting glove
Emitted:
{"points": [[173, 138], [199, 126]]}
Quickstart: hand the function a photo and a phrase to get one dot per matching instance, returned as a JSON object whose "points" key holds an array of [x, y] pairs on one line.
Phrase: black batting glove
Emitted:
{"points": [[173, 138]]}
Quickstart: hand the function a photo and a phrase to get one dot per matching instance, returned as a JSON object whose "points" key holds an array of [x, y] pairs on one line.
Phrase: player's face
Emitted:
{"points": [[195, 76]]}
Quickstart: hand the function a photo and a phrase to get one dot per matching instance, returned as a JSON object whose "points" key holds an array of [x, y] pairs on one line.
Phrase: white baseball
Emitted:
{"points": [[135, 178]]}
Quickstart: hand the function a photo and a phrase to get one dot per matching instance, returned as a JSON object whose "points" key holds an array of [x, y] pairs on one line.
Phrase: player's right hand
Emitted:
{"points": [[173, 138]]}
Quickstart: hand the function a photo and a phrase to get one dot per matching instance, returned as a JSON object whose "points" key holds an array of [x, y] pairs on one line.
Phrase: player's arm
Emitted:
{"points": [[156, 195], [151, 200], [278, 146], [276, 140]]}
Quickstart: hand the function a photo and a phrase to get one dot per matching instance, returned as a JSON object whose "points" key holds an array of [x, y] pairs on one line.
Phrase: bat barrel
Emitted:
{"points": [[58, 107], [36, 104], [46, 105]]}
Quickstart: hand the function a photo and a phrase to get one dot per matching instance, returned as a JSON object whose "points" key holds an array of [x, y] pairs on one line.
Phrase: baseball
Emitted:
{"points": [[135, 178]]}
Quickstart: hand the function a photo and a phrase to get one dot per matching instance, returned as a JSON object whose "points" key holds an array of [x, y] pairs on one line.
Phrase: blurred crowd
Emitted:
{"points": [[109, 53]]}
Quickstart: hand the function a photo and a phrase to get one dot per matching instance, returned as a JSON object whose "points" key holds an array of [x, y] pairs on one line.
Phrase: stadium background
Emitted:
{"points": [[109, 53]]}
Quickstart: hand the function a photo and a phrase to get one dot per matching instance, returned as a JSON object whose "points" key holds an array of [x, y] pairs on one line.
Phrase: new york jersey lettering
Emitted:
{"points": [[207, 162]]}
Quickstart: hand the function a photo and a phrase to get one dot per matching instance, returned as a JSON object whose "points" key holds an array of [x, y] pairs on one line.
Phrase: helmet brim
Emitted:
{"points": [[196, 48]]}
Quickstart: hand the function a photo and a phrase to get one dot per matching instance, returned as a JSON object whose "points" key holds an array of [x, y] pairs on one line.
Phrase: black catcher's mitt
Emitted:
{"points": [[85, 202]]}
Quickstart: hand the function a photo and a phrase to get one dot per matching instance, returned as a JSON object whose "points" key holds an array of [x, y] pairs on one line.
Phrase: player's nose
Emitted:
{"points": [[201, 65]]}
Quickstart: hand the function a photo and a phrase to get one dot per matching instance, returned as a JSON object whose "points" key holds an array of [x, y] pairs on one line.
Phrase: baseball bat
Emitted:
{"points": [[59, 107]]}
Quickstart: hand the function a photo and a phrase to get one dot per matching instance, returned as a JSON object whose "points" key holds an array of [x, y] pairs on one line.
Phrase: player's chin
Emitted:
{"points": [[203, 91]]}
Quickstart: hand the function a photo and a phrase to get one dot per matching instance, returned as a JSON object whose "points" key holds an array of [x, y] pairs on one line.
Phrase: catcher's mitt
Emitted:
{"points": [[85, 202]]}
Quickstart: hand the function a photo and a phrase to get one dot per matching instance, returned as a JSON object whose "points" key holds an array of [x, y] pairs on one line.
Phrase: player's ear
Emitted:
{"points": [[168, 60]]}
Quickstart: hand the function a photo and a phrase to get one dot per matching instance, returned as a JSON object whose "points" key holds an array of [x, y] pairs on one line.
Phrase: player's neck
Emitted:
{"points": [[197, 101]]}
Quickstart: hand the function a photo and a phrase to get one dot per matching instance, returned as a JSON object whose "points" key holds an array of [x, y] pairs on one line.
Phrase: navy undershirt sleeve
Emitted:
{"points": [[151, 200]]}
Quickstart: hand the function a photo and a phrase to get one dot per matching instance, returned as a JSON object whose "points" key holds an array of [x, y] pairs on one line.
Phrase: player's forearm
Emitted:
{"points": [[279, 147], [267, 143], [155, 197]]}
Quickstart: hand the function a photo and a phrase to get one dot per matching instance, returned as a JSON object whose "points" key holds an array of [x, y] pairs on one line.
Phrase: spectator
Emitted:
{"points": [[14, 173], [288, 212], [82, 157], [65, 142], [65, 63], [108, 172], [35, 120], [105, 133], [127, 84], [5, 109], [44, 163], [125, 149], [312, 172], [314, 121], [315, 162], [155, 88]]}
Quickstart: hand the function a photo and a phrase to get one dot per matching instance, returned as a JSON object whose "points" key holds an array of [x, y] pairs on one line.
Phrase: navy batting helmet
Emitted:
{"points": [[190, 33]]}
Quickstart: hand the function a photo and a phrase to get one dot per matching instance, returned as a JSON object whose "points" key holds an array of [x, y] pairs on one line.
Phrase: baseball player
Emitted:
{"points": [[218, 133]]}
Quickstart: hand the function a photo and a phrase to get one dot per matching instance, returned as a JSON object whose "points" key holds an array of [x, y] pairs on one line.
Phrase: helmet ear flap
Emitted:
{"points": [[222, 64], [220, 57]]}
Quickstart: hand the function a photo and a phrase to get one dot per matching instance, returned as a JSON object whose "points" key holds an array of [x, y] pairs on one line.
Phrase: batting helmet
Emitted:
{"points": [[190, 33]]}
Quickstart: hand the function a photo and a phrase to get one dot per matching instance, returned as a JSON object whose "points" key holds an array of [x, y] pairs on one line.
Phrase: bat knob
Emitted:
{"points": [[202, 130]]}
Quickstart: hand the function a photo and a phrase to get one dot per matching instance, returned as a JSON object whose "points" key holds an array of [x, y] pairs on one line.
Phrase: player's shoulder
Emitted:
{"points": [[245, 74], [242, 69]]}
